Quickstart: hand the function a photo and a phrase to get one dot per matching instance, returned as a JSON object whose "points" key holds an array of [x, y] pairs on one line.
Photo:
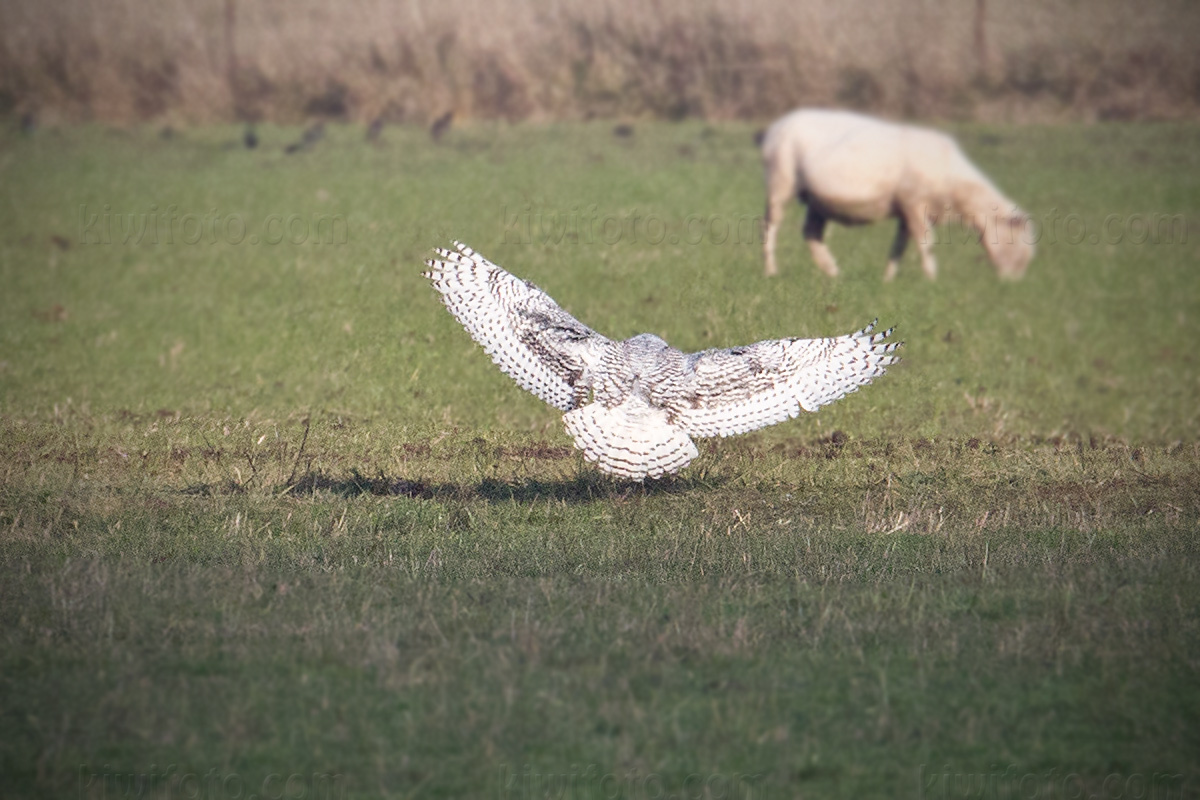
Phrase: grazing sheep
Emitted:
{"points": [[854, 169]]}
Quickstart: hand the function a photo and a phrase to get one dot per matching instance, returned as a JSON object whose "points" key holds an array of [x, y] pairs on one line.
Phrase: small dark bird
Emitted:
{"points": [[167, 133], [374, 129], [28, 123], [311, 136], [623, 131], [314, 133], [441, 125], [250, 138]]}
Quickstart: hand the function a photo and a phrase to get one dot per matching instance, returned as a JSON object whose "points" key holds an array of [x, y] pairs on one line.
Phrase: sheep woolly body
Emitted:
{"points": [[854, 169]]}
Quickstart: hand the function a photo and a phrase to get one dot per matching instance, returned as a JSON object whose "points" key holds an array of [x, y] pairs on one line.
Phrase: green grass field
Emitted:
{"points": [[272, 526]]}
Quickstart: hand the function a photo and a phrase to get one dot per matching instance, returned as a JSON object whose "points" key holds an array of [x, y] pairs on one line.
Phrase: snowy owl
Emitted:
{"points": [[647, 399]]}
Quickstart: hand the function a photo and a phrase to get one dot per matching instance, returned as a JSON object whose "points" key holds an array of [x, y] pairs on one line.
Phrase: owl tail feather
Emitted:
{"points": [[632, 440]]}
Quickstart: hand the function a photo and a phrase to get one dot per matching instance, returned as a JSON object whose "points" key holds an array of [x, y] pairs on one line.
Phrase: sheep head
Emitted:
{"points": [[1009, 240]]}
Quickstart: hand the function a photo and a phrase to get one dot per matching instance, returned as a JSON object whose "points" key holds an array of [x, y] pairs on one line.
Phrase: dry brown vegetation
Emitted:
{"points": [[287, 60]]}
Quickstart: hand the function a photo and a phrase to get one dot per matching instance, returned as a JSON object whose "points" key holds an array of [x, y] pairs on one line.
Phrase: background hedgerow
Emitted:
{"points": [[288, 60]]}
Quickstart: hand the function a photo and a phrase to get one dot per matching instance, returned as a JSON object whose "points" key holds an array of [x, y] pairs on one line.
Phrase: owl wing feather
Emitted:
{"points": [[538, 344], [741, 389]]}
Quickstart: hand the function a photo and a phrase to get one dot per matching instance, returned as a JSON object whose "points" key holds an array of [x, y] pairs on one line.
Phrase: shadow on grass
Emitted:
{"points": [[584, 488]]}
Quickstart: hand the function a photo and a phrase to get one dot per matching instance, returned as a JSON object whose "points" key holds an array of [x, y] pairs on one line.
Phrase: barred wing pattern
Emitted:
{"points": [[540, 346], [741, 389], [648, 399]]}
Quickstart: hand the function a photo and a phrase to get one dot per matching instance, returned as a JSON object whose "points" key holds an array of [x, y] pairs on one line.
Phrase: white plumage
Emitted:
{"points": [[647, 399]]}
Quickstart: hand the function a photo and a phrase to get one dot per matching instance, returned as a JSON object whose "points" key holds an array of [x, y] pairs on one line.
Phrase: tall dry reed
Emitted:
{"points": [[287, 60]]}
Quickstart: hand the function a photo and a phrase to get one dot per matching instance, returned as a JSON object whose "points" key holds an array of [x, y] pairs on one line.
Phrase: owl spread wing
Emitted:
{"points": [[740, 389], [543, 348]]}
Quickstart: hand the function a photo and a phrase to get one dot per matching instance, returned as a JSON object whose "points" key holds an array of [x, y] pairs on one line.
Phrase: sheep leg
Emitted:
{"points": [[770, 231], [898, 246], [814, 234], [779, 193], [920, 229]]}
